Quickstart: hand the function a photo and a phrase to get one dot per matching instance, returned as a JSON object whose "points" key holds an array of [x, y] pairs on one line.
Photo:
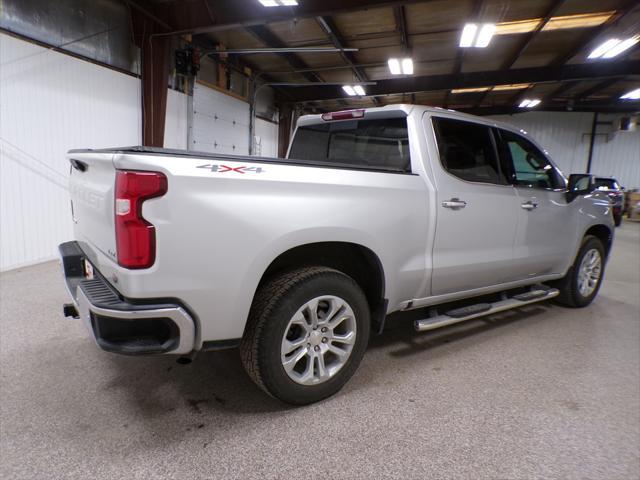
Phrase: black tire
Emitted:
{"points": [[274, 305], [570, 295], [617, 219]]}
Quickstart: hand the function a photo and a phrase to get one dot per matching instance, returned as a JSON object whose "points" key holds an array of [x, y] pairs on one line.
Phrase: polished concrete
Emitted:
{"points": [[545, 392]]}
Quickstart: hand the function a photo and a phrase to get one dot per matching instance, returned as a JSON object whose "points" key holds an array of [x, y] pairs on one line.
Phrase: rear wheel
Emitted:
{"points": [[306, 334], [582, 282]]}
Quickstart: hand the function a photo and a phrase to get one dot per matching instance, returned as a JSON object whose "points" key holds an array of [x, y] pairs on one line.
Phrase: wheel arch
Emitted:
{"points": [[602, 233]]}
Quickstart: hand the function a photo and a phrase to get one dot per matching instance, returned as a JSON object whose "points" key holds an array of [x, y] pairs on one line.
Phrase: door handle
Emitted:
{"points": [[454, 204], [529, 205]]}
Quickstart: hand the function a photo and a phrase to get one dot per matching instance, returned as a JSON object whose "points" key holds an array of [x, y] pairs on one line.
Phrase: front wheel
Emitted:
{"points": [[582, 282], [307, 333]]}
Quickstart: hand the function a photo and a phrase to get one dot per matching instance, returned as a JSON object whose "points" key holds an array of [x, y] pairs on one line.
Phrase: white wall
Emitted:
{"points": [[566, 137], [50, 103], [176, 128]]}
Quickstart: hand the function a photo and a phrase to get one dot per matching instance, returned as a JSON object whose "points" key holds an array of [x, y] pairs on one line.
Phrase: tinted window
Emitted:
{"points": [[530, 167], [466, 151], [607, 184], [380, 143]]}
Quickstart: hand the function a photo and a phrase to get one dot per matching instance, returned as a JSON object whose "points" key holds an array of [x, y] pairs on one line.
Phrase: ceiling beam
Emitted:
{"points": [[401, 26], [608, 107], [532, 35], [595, 89], [232, 14], [587, 40], [478, 79], [265, 35]]}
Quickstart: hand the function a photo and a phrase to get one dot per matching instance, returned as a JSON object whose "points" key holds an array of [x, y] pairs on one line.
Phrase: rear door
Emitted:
{"points": [[477, 209], [546, 222]]}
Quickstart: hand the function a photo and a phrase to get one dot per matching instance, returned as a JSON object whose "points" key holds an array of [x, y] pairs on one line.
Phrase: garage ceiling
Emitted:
{"points": [[540, 45]]}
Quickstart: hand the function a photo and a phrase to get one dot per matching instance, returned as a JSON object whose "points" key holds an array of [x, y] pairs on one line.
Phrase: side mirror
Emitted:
{"points": [[580, 184]]}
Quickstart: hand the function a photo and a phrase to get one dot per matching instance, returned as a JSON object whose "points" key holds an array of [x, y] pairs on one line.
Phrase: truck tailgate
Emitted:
{"points": [[91, 187]]}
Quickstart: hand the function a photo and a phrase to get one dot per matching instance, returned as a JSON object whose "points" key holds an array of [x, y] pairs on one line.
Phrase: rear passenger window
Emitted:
{"points": [[467, 151], [376, 144], [530, 167]]}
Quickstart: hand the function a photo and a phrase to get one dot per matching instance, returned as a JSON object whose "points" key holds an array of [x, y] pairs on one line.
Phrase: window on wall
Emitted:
{"points": [[466, 150], [376, 144], [530, 166]]}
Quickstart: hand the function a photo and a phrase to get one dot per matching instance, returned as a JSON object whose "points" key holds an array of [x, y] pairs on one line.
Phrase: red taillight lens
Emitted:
{"points": [[135, 237]]}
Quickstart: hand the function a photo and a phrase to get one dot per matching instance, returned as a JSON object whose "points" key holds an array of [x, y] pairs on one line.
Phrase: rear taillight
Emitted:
{"points": [[135, 237]]}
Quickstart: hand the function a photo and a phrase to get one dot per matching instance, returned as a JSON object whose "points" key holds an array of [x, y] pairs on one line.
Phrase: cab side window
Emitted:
{"points": [[530, 167], [467, 151]]}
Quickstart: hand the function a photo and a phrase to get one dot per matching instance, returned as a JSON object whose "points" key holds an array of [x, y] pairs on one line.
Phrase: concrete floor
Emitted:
{"points": [[544, 392]]}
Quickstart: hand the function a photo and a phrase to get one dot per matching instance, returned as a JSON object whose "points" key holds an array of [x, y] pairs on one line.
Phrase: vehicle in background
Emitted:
{"points": [[615, 193]]}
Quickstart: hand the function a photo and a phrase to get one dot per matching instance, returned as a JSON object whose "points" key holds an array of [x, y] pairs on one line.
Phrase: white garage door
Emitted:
{"points": [[220, 122]]}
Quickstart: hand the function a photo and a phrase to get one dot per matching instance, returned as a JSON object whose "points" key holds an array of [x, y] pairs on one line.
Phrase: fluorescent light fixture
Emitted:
{"points": [[613, 47], [485, 35], [632, 95], [511, 86], [468, 35], [407, 66], [477, 36], [529, 103], [394, 66], [563, 22], [279, 3], [621, 47], [604, 48], [348, 89], [400, 66], [469, 90], [359, 90]]}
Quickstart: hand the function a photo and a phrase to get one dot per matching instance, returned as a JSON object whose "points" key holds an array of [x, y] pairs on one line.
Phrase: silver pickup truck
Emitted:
{"points": [[297, 260]]}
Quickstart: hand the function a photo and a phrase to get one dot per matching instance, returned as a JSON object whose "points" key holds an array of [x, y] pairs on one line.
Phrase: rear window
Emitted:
{"points": [[381, 144]]}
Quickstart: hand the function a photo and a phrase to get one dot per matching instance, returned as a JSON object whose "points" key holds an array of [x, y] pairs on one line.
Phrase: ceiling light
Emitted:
{"points": [[485, 35], [348, 89], [511, 86], [407, 66], [580, 20], [621, 47], [613, 47], [469, 90], [400, 66], [279, 3], [394, 66], [632, 95], [468, 35], [529, 103], [359, 90], [472, 36]]}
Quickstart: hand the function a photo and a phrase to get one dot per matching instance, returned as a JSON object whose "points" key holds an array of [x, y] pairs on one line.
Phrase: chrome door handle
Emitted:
{"points": [[529, 205], [454, 204]]}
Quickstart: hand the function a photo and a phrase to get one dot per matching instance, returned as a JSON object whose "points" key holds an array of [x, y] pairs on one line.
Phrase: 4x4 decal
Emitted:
{"points": [[225, 168]]}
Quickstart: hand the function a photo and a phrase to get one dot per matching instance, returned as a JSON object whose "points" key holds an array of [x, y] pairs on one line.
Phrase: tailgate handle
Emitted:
{"points": [[78, 165]]}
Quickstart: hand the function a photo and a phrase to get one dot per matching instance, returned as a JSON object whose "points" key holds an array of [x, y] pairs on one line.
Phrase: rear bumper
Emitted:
{"points": [[122, 325]]}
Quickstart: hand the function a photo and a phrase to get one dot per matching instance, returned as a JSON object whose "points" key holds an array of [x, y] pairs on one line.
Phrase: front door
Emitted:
{"points": [[477, 209], [546, 223]]}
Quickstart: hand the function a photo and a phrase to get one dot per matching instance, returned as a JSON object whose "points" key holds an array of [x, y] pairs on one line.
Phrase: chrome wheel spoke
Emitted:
{"points": [[589, 272], [318, 340]]}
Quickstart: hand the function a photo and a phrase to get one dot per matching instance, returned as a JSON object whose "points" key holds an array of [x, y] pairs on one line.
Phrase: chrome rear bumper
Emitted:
{"points": [[121, 325]]}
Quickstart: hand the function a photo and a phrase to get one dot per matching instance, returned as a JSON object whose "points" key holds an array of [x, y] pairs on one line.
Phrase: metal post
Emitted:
{"points": [[592, 141]]}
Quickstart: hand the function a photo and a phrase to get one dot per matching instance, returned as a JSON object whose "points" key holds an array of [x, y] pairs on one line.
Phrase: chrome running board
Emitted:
{"points": [[537, 294]]}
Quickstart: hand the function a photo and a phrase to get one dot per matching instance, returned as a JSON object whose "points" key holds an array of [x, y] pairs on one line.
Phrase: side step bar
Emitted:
{"points": [[537, 294]]}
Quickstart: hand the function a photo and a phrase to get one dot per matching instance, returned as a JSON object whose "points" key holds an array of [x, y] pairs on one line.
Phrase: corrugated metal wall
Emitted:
{"points": [[50, 103], [566, 137]]}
